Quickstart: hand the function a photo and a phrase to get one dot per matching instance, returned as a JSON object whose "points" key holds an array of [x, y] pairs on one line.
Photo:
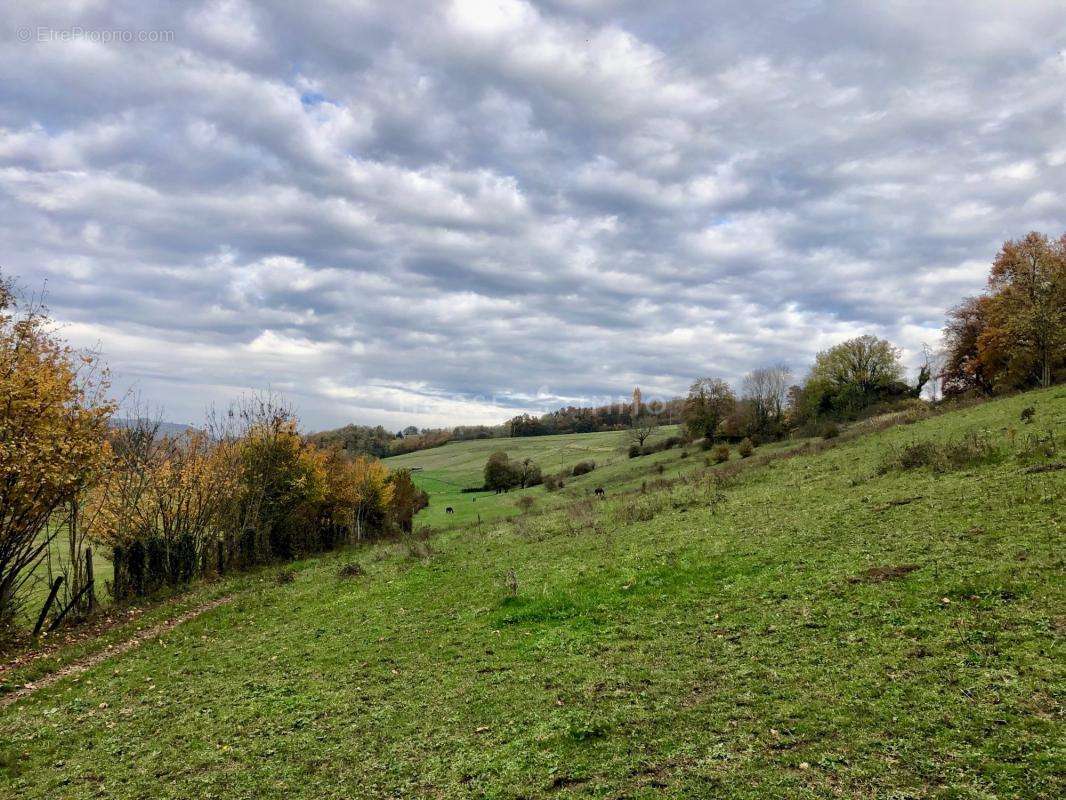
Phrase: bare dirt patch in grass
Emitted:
{"points": [[902, 501], [882, 574]]}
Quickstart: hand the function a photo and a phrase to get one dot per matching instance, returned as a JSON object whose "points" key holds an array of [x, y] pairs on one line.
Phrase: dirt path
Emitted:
{"points": [[139, 638]]}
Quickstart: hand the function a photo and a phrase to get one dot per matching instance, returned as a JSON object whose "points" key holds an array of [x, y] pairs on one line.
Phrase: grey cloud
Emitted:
{"points": [[399, 212]]}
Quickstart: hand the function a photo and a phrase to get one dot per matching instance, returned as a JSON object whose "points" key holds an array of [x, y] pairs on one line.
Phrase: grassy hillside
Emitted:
{"points": [[846, 623], [444, 471]]}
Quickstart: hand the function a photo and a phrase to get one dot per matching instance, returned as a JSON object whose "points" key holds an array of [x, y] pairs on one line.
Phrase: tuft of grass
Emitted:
{"points": [[1039, 445], [586, 729], [640, 508], [9, 763], [352, 569], [417, 549], [416, 544]]}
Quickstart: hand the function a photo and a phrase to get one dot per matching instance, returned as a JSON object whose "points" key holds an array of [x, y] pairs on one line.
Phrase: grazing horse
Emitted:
{"points": [[599, 492], [449, 510]]}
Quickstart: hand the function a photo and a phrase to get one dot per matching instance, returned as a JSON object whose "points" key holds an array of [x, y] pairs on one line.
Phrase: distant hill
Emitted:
{"points": [[165, 428]]}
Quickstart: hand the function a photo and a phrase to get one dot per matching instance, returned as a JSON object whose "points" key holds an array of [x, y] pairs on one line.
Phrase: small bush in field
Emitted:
{"points": [[417, 549], [581, 517], [1027, 414], [532, 474], [706, 444], [1042, 444], [663, 444], [352, 570], [830, 431], [746, 448], [583, 468], [911, 456], [641, 508], [525, 503], [634, 450], [416, 544], [969, 450], [553, 483], [285, 576], [660, 468], [720, 454], [972, 449]]}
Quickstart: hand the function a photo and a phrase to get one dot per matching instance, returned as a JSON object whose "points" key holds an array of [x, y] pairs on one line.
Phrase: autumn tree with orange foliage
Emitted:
{"points": [[161, 502], [291, 497], [1014, 335], [249, 490], [359, 494], [406, 501], [54, 417]]}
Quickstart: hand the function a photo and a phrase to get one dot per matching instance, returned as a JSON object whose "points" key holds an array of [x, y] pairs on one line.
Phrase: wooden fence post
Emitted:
{"points": [[91, 600], [70, 605], [116, 564], [47, 606]]}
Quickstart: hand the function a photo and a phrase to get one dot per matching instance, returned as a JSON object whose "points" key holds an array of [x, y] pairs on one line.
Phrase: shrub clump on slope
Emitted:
{"points": [[971, 449]]}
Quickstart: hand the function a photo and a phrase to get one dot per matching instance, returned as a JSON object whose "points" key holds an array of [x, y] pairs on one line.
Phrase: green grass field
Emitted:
{"points": [[443, 472], [814, 627]]}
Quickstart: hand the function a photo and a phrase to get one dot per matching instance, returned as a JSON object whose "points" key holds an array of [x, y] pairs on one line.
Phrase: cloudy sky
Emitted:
{"points": [[432, 213]]}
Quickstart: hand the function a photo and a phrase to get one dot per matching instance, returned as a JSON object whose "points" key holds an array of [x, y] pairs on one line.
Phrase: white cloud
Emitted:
{"points": [[435, 214]]}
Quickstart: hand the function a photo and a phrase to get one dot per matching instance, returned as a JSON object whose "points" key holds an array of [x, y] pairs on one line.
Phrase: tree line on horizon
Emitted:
{"points": [[1009, 338]]}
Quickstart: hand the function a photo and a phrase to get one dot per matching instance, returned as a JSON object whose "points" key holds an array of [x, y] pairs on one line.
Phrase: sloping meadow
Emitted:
{"points": [[836, 623]]}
